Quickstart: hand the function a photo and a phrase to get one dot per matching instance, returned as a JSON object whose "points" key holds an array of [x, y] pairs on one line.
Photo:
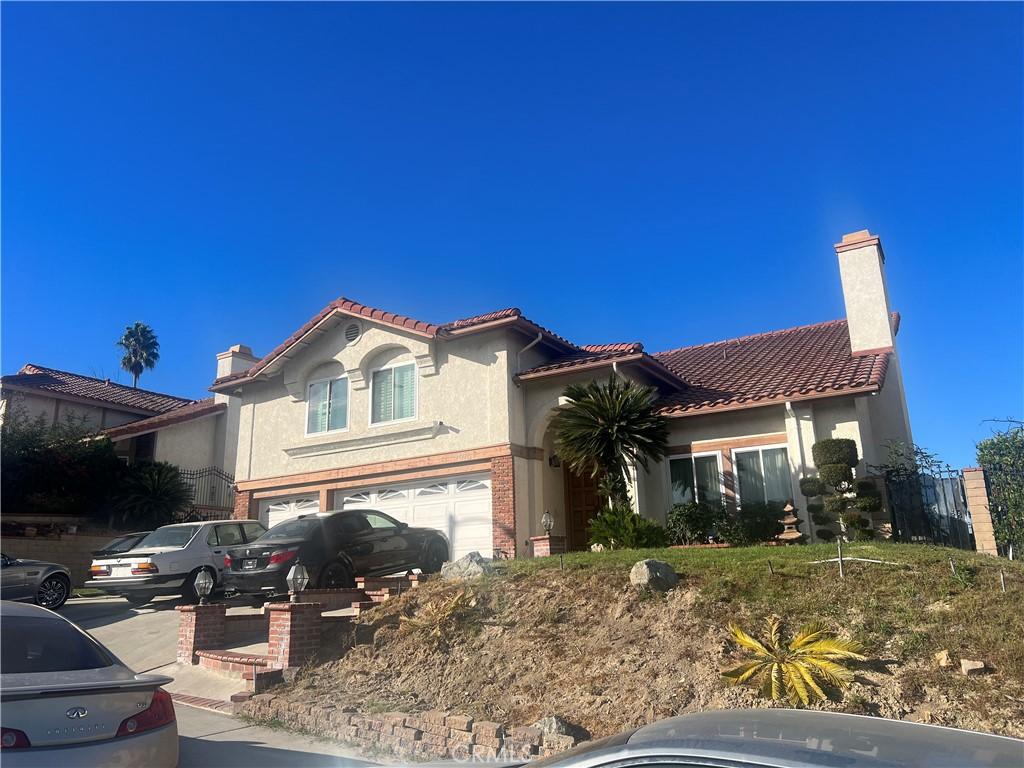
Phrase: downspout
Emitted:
{"points": [[519, 356]]}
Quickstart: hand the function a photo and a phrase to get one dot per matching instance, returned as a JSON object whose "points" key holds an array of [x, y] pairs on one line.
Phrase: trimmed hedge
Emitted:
{"points": [[836, 475], [867, 488], [868, 504], [835, 451], [826, 534], [835, 505], [812, 486]]}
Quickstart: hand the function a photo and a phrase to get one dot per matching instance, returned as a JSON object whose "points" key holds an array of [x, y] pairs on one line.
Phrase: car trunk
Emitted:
{"points": [[256, 557], [120, 566], [58, 708]]}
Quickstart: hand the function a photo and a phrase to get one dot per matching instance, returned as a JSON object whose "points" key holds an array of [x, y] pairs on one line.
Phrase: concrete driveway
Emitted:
{"points": [[146, 640]]}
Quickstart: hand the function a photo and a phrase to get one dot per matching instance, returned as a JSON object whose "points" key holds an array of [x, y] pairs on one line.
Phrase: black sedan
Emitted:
{"points": [[334, 547]]}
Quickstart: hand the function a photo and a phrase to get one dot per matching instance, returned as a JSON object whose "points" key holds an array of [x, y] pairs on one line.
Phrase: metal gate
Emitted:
{"points": [[929, 506]]}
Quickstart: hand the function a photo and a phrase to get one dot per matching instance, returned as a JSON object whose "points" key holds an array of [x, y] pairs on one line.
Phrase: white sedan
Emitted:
{"points": [[67, 701]]}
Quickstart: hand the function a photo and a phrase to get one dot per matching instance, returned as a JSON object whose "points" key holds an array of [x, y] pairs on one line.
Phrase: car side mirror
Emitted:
{"points": [[402, 526]]}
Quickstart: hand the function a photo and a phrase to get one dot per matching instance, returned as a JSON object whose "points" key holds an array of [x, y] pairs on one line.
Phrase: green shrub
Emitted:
{"points": [[838, 476], [820, 518], [826, 534], [754, 523], [835, 505], [815, 507], [835, 451], [812, 486], [868, 504], [852, 520], [619, 527], [693, 523], [863, 534]]}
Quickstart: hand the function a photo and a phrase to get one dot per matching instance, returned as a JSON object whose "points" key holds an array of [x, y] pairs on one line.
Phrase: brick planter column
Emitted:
{"points": [[976, 491], [547, 545], [200, 628], [245, 507], [294, 633]]}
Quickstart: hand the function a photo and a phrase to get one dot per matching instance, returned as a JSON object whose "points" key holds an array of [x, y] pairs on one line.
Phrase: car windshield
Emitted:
{"points": [[121, 543], [169, 536], [290, 529], [36, 644]]}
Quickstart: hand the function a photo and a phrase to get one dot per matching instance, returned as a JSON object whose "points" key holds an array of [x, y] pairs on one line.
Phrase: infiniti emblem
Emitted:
{"points": [[77, 713]]}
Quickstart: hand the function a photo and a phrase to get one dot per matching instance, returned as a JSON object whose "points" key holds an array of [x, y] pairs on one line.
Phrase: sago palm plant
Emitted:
{"points": [[605, 428], [798, 669]]}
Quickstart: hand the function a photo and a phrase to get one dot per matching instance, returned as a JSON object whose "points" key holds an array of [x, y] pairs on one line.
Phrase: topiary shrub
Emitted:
{"points": [[835, 451], [753, 524], [826, 534], [835, 506], [820, 518], [693, 523], [868, 504], [811, 487], [838, 476], [866, 488], [619, 527]]}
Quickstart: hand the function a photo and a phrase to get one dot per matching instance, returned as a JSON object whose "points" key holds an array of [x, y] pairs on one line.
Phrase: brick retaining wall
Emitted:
{"points": [[424, 735]]}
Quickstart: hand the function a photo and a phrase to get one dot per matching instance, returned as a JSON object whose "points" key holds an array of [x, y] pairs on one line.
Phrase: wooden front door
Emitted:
{"points": [[581, 504]]}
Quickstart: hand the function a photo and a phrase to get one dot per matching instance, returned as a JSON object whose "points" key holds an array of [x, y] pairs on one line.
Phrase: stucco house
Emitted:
{"points": [[448, 425]]}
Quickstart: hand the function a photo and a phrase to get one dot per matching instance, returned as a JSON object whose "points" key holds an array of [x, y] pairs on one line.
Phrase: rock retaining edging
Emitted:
{"points": [[426, 735]]}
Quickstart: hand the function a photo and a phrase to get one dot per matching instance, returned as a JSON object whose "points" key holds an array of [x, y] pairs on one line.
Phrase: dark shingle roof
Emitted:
{"points": [[58, 382]]}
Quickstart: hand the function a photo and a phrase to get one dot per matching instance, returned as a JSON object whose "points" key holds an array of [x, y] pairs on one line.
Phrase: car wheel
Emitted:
{"points": [[335, 576], [140, 598], [437, 553], [53, 592], [190, 593]]}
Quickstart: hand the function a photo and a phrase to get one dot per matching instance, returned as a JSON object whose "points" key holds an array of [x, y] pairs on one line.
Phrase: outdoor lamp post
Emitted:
{"points": [[547, 522], [297, 580], [203, 586]]}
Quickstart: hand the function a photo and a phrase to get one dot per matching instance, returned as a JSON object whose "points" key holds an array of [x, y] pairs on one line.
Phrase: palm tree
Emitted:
{"points": [[606, 427], [141, 350]]}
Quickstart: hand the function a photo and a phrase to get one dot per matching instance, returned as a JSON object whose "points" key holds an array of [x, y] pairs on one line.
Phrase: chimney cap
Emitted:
{"points": [[237, 349], [859, 239]]}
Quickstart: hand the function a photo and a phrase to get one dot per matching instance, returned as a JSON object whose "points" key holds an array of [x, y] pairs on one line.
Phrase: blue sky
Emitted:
{"points": [[673, 174]]}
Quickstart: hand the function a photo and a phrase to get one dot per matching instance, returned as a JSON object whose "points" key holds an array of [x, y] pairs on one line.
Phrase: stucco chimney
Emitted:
{"points": [[238, 358], [862, 271]]}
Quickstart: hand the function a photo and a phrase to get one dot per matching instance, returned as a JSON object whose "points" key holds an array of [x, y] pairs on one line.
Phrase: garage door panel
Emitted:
{"points": [[274, 511], [458, 507]]}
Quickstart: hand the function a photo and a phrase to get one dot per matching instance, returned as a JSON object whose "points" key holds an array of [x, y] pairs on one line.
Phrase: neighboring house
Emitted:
{"points": [[449, 425], [143, 425]]}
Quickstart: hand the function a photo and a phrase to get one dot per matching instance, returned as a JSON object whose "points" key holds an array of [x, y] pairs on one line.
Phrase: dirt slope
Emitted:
{"points": [[581, 643]]}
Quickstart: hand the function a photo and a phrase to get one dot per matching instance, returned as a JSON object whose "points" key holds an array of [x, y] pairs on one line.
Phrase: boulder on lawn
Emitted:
{"points": [[653, 574], [553, 725], [942, 658], [471, 566]]}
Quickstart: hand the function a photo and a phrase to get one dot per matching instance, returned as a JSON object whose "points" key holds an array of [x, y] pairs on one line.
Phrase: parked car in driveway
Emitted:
{"points": [[334, 547], [168, 560], [65, 700], [119, 544], [45, 584], [790, 738]]}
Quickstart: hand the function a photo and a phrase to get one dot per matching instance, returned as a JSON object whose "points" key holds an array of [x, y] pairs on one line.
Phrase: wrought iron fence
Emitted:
{"points": [[929, 506], [213, 495]]}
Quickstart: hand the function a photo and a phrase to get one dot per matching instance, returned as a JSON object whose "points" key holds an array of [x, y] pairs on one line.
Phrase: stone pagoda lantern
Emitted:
{"points": [[790, 527]]}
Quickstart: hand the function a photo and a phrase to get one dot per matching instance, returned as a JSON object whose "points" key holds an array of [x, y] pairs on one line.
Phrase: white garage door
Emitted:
{"points": [[274, 511], [459, 507]]}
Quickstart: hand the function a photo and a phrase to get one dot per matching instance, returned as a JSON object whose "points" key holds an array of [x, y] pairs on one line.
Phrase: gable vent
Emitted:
{"points": [[351, 332]]}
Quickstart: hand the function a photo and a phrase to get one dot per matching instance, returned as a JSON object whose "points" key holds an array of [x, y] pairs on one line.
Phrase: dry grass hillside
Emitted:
{"points": [[581, 643]]}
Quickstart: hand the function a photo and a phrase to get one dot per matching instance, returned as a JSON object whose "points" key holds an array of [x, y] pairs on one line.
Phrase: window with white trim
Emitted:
{"points": [[327, 405], [762, 475], [393, 395], [696, 477]]}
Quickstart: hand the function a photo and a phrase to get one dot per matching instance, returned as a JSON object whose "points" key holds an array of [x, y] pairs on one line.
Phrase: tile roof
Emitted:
{"points": [[604, 353], [195, 410], [59, 382], [796, 363], [348, 306], [624, 346]]}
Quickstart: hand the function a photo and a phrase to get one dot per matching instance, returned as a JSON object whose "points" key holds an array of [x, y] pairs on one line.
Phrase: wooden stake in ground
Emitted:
{"points": [[839, 543], [1002, 580]]}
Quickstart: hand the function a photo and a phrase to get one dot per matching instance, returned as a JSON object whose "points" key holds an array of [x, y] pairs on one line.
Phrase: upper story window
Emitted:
{"points": [[762, 475], [393, 396], [696, 478], [327, 406]]}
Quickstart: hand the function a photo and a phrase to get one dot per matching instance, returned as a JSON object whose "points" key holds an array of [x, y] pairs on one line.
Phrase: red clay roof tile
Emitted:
{"points": [[105, 391], [196, 410]]}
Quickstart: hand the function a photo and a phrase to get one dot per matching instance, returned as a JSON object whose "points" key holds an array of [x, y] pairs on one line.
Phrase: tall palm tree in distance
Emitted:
{"points": [[606, 427], [141, 350]]}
